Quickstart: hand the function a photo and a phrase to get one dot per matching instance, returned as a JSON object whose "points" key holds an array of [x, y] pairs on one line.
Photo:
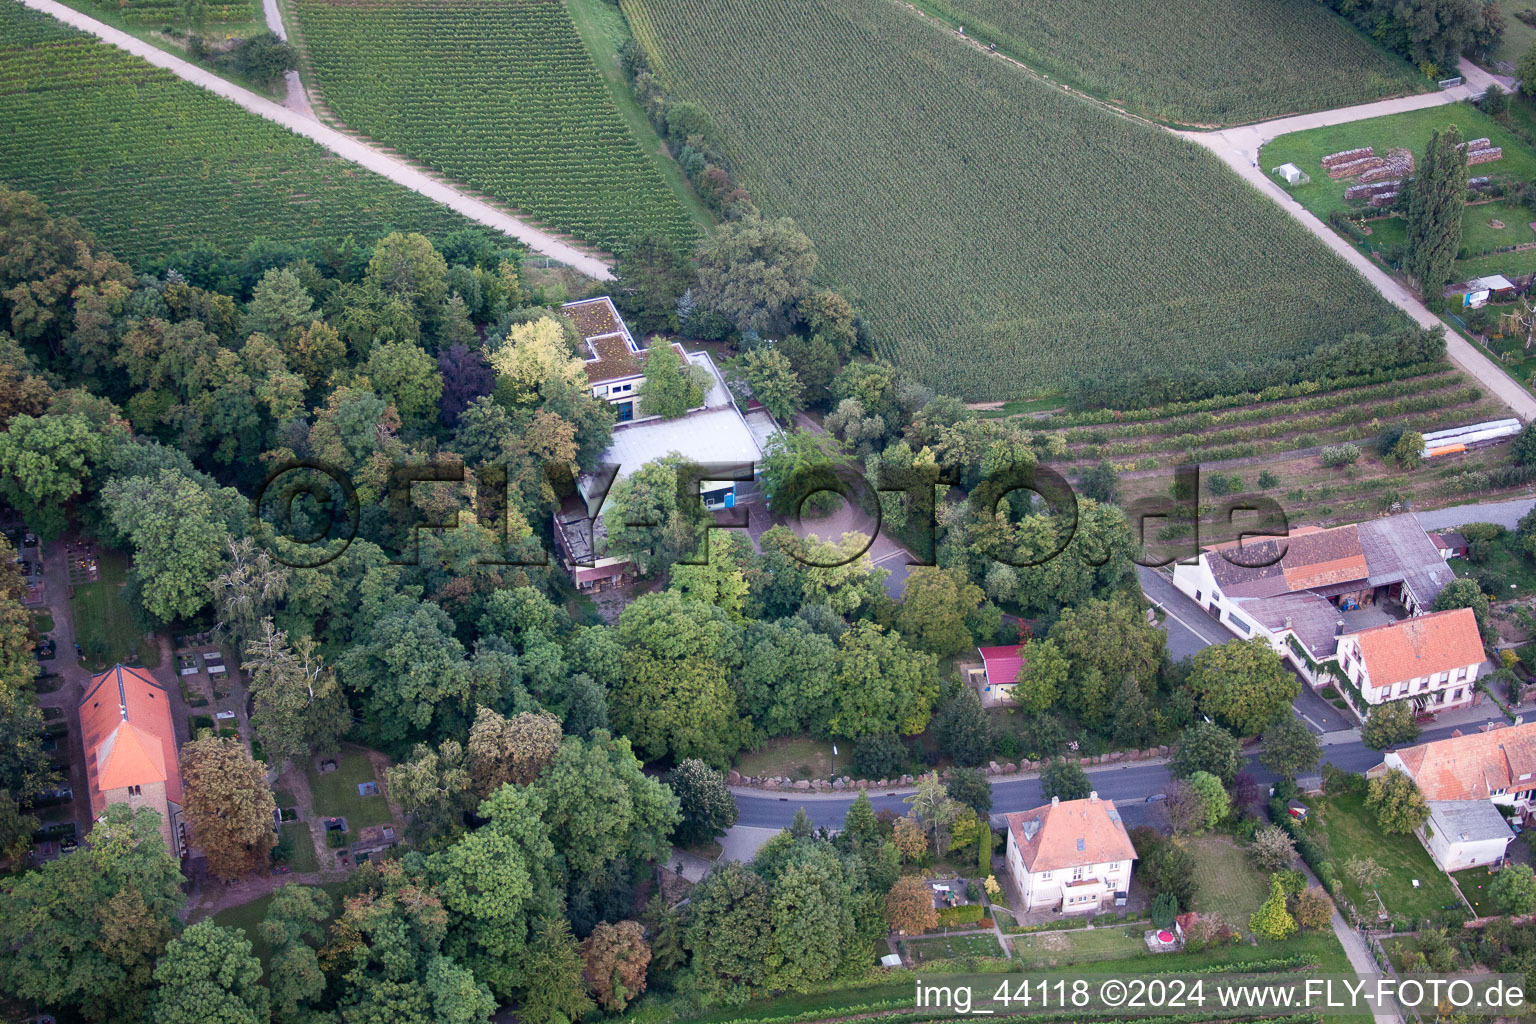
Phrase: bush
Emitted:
{"points": [[1335, 455], [882, 756], [336, 840]]}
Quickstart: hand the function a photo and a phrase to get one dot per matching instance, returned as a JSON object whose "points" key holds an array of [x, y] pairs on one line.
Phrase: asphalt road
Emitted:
{"points": [[1128, 785], [1505, 513]]}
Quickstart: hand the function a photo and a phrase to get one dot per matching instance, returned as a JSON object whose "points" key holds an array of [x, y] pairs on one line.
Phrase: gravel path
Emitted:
{"points": [[342, 145], [1505, 513], [297, 99]]}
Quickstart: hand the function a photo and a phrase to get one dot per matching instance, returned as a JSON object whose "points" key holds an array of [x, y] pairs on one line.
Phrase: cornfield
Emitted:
{"points": [[153, 165], [1001, 236], [1194, 61], [500, 95]]}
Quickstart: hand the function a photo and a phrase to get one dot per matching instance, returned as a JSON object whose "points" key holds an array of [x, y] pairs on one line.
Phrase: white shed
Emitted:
{"points": [[1291, 174]]}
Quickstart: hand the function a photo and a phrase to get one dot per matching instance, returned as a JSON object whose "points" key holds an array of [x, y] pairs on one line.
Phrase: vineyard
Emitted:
{"points": [[153, 165], [1001, 237], [1274, 446], [173, 12], [500, 95], [1193, 62]]}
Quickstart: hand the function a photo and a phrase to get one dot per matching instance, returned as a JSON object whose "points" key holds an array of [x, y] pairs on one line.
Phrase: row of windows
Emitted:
{"points": [[1077, 872]]}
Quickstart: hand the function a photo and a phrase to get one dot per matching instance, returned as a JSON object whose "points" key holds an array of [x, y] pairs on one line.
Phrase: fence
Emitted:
{"points": [[1450, 83]]}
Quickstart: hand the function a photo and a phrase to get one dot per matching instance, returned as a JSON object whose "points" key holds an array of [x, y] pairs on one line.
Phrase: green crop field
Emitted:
{"points": [[501, 95], [153, 165], [1001, 236], [1196, 61], [173, 12]]}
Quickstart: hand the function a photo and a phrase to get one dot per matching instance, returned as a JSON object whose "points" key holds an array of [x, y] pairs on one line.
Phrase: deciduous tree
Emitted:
{"points": [[909, 906], [1397, 802], [1435, 205], [515, 749], [704, 801], [229, 806], [671, 386], [1514, 889], [208, 975], [297, 706], [1272, 920], [1243, 684], [614, 959], [1290, 748], [1209, 748], [1064, 780]]}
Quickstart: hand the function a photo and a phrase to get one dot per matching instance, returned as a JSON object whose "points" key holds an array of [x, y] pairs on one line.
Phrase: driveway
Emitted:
{"points": [[1505, 513], [398, 171]]}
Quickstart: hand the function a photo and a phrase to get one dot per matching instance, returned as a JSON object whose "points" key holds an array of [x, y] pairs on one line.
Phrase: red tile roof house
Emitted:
{"points": [[1432, 660], [1308, 593], [130, 747], [1470, 783], [1071, 855], [1001, 667]]}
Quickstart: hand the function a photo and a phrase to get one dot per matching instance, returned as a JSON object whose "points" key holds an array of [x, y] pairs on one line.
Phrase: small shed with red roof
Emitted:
{"points": [[1000, 671]]}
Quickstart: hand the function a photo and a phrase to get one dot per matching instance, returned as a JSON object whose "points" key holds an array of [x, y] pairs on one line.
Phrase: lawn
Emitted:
{"points": [[42, 622], [335, 793], [1349, 829], [248, 915], [795, 757], [303, 856], [1410, 130], [1518, 36], [1049, 949], [950, 947], [1226, 882], [1506, 560], [104, 623], [1196, 61], [1011, 215]]}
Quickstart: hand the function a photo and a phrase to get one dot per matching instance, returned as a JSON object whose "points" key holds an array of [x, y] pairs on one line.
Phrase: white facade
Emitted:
{"points": [[1441, 691], [1083, 889]]}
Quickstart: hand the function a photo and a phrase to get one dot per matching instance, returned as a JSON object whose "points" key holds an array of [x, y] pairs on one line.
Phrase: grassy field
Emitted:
{"points": [[1049, 949], [1350, 830], [303, 858], [1411, 131], [1026, 237], [1226, 882], [248, 915], [104, 625], [1271, 447], [1506, 560], [501, 95], [335, 793], [798, 757], [1518, 36], [1196, 62], [153, 165], [949, 947]]}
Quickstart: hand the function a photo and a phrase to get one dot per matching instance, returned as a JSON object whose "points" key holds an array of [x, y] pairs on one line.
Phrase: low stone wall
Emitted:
{"points": [[844, 782]]}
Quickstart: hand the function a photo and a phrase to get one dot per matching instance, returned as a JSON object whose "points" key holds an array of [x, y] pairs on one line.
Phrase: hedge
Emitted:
{"points": [[969, 913]]}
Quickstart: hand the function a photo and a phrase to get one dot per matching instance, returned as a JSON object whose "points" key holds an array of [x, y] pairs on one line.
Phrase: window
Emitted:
{"points": [[135, 790], [1112, 867], [1239, 624], [1045, 876], [1197, 596], [1461, 674], [1077, 874]]}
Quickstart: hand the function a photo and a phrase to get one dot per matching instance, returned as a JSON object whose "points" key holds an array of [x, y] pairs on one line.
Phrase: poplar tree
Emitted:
{"points": [[1434, 211]]}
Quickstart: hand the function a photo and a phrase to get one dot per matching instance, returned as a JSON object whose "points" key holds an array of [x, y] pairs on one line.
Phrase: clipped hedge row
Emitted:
{"points": [[969, 913]]}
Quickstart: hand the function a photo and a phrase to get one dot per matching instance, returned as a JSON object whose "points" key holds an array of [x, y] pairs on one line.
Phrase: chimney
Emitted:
{"points": [[1093, 796], [1287, 622], [1055, 800], [1338, 629]]}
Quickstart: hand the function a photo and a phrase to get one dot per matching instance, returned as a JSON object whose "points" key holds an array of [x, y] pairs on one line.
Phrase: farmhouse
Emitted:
{"points": [[1471, 783], [1073, 855], [130, 748], [1431, 659], [717, 432], [1305, 593]]}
